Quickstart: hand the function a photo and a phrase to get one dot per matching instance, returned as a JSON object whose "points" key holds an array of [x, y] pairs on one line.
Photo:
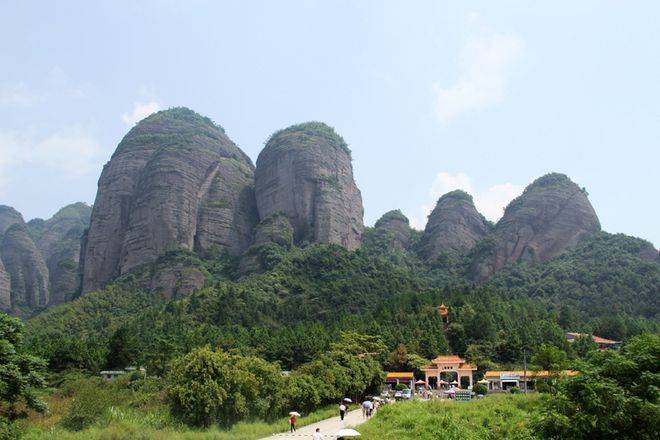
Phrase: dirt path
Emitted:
{"points": [[328, 427]]}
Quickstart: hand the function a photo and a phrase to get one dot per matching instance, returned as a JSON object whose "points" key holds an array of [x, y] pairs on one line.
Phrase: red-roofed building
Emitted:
{"points": [[603, 344]]}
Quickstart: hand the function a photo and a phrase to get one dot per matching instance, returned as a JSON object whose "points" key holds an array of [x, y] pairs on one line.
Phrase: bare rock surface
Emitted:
{"points": [[5, 289], [305, 172], [453, 226], [26, 268], [551, 216], [58, 240], [176, 181], [274, 229], [176, 280]]}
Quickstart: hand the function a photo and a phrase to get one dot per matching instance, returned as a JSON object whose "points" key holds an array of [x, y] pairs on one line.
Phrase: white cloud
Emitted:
{"points": [[18, 94], [489, 202], [485, 66], [492, 201], [66, 154], [140, 111]]}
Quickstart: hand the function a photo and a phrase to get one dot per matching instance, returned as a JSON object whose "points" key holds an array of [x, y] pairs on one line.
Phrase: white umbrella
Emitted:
{"points": [[294, 413], [346, 399], [347, 433]]}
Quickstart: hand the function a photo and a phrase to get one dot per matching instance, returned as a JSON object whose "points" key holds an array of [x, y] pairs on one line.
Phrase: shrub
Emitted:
{"points": [[481, 388], [401, 387], [514, 390], [9, 430], [89, 403], [543, 386]]}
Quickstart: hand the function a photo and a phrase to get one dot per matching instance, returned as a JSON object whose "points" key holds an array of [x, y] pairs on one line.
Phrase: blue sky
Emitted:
{"points": [[431, 96]]}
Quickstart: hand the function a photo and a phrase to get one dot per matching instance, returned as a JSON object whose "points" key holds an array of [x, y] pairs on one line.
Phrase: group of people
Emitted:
{"points": [[368, 407]]}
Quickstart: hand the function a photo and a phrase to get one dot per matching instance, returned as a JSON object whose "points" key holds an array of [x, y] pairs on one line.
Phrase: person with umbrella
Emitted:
{"points": [[342, 409], [293, 420]]}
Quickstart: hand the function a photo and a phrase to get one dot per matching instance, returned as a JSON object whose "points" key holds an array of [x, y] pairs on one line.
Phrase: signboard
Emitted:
{"points": [[510, 377]]}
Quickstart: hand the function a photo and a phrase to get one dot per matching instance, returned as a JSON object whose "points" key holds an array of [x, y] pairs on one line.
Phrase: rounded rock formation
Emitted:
{"points": [[305, 172], [26, 268], [9, 216], [176, 181], [396, 224], [58, 240], [552, 215], [453, 226]]}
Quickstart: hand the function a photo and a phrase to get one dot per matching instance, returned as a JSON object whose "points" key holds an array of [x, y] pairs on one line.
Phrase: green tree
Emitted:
{"points": [[21, 374], [551, 358], [615, 396], [583, 345], [122, 349], [399, 358], [207, 387]]}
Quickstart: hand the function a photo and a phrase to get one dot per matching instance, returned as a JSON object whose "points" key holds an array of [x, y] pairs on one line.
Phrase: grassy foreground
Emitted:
{"points": [[130, 425], [502, 416], [112, 411]]}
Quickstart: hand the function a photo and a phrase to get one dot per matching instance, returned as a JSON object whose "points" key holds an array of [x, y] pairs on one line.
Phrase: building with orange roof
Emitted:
{"points": [[505, 380], [406, 377], [603, 343], [450, 366]]}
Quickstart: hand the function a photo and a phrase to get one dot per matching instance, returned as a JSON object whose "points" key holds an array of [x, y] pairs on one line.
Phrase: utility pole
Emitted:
{"points": [[525, 369]]}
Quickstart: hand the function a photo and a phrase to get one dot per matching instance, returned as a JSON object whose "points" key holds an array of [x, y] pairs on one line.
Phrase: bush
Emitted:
{"points": [[614, 397], [9, 430], [401, 387], [543, 386], [89, 403], [514, 390], [480, 388]]}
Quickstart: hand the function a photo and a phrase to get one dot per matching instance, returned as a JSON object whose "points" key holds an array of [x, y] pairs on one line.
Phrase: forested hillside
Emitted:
{"points": [[294, 310]]}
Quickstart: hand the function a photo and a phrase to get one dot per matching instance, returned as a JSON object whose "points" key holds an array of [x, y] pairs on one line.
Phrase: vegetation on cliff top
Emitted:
{"points": [[307, 132], [394, 214]]}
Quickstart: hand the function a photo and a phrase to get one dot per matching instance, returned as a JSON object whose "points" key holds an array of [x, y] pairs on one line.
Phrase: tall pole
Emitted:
{"points": [[525, 369]]}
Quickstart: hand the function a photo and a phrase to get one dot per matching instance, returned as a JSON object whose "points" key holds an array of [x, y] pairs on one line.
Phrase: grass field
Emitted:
{"points": [[502, 416]]}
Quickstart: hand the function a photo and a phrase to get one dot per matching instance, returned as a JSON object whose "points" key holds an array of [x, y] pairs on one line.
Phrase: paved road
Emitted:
{"points": [[328, 427]]}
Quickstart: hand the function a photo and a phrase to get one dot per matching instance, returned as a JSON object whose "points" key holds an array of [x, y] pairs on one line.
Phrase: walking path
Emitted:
{"points": [[328, 427]]}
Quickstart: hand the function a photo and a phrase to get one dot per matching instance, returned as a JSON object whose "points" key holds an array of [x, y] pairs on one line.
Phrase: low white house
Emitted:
{"points": [[114, 374]]}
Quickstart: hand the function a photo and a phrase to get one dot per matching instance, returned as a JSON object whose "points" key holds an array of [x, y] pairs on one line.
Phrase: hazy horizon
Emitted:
{"points": [[429, 96]]}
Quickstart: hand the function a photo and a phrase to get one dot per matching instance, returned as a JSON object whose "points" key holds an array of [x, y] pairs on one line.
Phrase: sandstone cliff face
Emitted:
{"points": [[58, 240], [398, 226], [305, 172], [274, 229], [176, 181], [26, 268], [453, 226], [552, 215], [9, 216], [5, 289]]}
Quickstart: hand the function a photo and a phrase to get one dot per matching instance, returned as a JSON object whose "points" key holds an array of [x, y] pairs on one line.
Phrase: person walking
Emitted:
{"points": [[292, 422], [317, 434], [342, 410]]}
